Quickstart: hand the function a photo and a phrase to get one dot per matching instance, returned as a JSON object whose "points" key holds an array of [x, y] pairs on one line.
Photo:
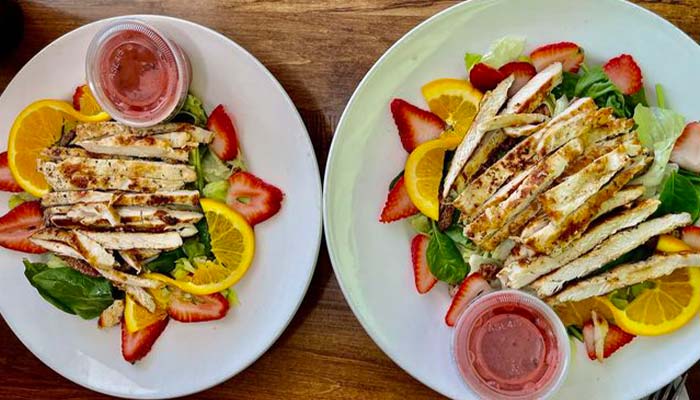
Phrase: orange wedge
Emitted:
{"points": [[455, 101]]}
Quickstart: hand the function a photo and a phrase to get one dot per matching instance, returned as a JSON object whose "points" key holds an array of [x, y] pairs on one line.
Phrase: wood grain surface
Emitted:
{"points": [[319, 50]]}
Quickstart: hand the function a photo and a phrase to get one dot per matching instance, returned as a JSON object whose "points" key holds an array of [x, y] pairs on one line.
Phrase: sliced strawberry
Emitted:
{"points": [[136, 345], [691, 236], [225, 143], [685, 151], [600, 332], [416, 126], [624, 72], [398, 205], [185, 307], [79, 91], [423, 278], [471, 287], [523, 72], [615, 339], [19, 224], [484, 77], [569, 54], [7, 181], [588, 339], [253, 198]]}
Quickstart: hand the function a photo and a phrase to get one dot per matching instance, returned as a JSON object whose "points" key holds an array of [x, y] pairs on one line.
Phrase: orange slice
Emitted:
{"points": [[456, 101], [137, 317], [578, 312]]}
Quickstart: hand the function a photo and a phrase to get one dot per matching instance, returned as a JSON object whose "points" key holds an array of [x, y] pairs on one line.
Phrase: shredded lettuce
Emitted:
{"points": [[216, 190], [19, 198], [231, 296], [658, 129], [502, 51], [214, 169], [193, 111]]}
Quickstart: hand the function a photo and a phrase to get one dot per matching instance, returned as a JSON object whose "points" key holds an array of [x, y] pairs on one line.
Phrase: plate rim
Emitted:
{"points": [[334, 148], [317, 183]]}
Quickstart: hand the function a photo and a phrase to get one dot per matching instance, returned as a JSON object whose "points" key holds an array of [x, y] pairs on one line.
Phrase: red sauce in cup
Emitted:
{"points": [[137, 75], [507, 346]]}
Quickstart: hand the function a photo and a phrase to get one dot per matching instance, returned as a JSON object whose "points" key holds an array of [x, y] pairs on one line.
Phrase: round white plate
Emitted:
{"points": [[372, 261], [187, 357]]}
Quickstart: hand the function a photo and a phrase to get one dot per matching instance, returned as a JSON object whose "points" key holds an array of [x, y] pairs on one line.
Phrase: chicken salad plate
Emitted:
{"points": [[149, 226], [533, 234]]}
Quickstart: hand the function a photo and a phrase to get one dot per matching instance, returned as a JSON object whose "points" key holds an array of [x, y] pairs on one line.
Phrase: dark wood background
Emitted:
{"points": [[319, 50]]}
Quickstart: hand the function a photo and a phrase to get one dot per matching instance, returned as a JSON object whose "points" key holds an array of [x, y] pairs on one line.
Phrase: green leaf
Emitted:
{"points": [[594, 83], [55, 261], [679, 195], [196, 162], [470, 60], [32, 269], [194, 248], [165, 262], [19, 198], [575, 331], [216, 190], [640, 253], [395, 180], [660, 97], [213, 169], [192, 111], [657, 129], [444, 259], [456, 233], [503, 51], [421, 224], [567, 87], [71, 291], [204, 236]]}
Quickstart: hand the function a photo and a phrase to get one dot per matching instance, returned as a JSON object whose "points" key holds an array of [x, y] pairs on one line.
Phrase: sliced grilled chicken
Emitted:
{"points": [[129, 240], [178, 197], [85, 214], [87, 131], [545, 238], [563, 199], [501, 194], [609, 250], [513, 121], [625, 196], [83, 247], [52, 199], [491, 143], [626, 275], [142, 297], [142, 147], [512, 228], [124, 279], [596, 151], [127, 168], [523, 131], [542, 176], [491, 103], [112, 315], [530, 96], [129, 219], [61, 179], [136, 258], [555, 136], [519, 272]]}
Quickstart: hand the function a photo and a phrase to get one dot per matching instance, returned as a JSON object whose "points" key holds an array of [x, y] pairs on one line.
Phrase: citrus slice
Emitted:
{"points": [[423, 173], [578, 312], [671, 244], [670, 304], [456, 101], [37, 127], [137, 317], [85, 101], [233, 245]]}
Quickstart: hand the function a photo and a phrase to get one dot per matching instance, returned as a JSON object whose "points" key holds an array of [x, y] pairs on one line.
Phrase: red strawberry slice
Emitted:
{"points": [[253, 198], [19, 224], [136, 345], [588, 339], [471, 287], [423, 278], [615, 339], [225, 143], [185, 307], [523, 72], [624, 72], [77, 95], [691, 236], [685, 151], [7, 181], [416, 126], [569, 54], [484, 77], [398, 205]]}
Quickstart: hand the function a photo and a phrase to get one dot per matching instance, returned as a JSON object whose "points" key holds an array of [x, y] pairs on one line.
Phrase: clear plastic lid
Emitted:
{"points": [[137, 74], [556, 356]]}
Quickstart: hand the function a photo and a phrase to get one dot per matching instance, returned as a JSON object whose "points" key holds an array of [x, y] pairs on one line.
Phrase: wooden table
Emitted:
{"points": [[319, 50]]}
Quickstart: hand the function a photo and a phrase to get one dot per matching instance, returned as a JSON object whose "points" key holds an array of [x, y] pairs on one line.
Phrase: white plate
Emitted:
{"points": [[188, 357], [372, 261]]}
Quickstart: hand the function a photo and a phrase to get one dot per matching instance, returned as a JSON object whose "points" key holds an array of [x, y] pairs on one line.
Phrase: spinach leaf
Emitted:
{"points": [[192, 111], [71, 291], [679, 195], [444, 259], [595, 84], [165, 262], [575, 331], [204, 236], [640, 253], [567, 87]]}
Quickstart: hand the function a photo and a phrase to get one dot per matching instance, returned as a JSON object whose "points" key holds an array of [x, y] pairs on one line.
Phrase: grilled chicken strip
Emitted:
{"points": [[178, 197], [527, 99], [129, 240], [609, 250], [512, 227], [491, 103], [596, 151], [545, 238], [141, 147], [112, 315], [62, 179], [539, 180], [127, 168], [121, 278], [491, 143], [87, 131], [82, 246], [136, 258], [569, 195], [626, 275], [518, 273], [523, 131], [513, 121], [141, 296]]}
